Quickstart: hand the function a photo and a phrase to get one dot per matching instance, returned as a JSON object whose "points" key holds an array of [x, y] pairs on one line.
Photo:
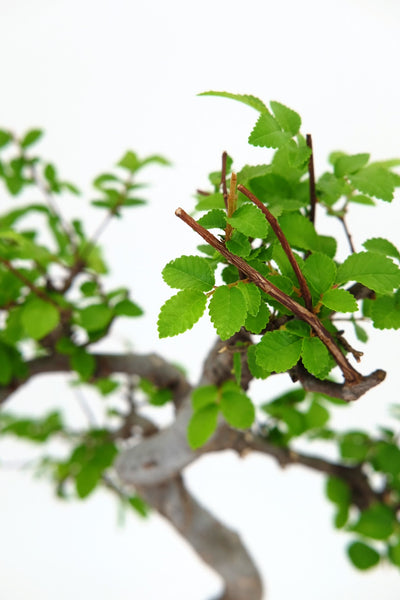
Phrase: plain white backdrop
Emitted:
{"points": [[101, 77]]}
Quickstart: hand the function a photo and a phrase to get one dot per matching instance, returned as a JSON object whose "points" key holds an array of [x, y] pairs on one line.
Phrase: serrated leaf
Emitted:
{"points": [[320, 272], [376, 181], [287, 118], [239, 244], [278, 351], [202, 425], [299, 231], [362, 556], [268, 133], [237, 408], [382, 246], [39, 318], [348, 164], [252, 296], [385, 312], [189, 272], [212, 201], [228, 311], [181, 312], [214, 219], [244, 98], [256, 323], [316, 357], [339, 300], [249, 220], [372, 270], [203, 396], [255, 369]]}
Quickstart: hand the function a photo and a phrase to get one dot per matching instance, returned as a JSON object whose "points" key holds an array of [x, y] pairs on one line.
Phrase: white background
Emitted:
{"points": [[101, 77]]}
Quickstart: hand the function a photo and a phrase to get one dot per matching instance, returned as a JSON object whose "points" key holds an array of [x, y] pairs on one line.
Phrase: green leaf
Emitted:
{"points": [[382, 246], [316, 357], [203, 396], [252, 296], [268, 133], [38, 318], [228, 311], [127, 308], [376, 522], [139, 505], [348, 164], [236, 407], [256, 323], [317, 416], [181, 312], [239, 244], [106, 386], [354, 445], [202, 425], [339, 300], [83, 363], [255, 369], [189, 272], [387, 458], [130, 161], [338, 491], [394, 553], [95, 317], [385, 312], [249, 220], [376, 181], [372, 270], [244, 98], [278, 351], [214, 219], [287, 118], [31, 137], [6, 370], [299, 231], [5, 138], [362, 556], [212, 201], [320, 272], [86, 480]]}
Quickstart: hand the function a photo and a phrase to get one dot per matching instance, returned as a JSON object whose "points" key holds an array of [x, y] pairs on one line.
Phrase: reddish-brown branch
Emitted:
{"points": [[350, 374], [305, 292], [311, 179]]}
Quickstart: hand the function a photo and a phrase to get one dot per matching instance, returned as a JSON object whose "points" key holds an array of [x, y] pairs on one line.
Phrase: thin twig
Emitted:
{"points": [[231, 206], [38, 292], [347, 232], [305, 292], [311, 178], [223, 179]]}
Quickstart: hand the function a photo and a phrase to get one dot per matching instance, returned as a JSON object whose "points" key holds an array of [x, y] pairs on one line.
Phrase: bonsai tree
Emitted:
{"points": [[280, 302]]}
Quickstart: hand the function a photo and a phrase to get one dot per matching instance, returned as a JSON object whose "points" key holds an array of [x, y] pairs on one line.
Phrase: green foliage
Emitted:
{"points": [[181, 312], [189, 272], [228, 310], [363, 556], [371, 269]]}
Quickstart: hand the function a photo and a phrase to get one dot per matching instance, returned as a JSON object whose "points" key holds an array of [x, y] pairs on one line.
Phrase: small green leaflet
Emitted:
{"points": [[382, 246], [202, 425], [316, 357], [83, 363], [181, 312], [339, 300], [228, 311], [278, 351], [287, 118], [95, 317], [299, 231], [236, 407], [320, 272], [376, 522], [244, 98], [252, 296], [6, 370], [348, 164], [376, 181], [189, 272], [268, 133], [362, 556], [31, 137], [38, 318], [203, 396], [256, 370], [212, 201], [385, 312], [214, 219], [239, 244], [256, 323], [372, 270], [249, 220]]}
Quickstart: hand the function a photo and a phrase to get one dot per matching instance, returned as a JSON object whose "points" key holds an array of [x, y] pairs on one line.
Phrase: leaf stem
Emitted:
{"points": [[311, 179], [305, 292]]}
